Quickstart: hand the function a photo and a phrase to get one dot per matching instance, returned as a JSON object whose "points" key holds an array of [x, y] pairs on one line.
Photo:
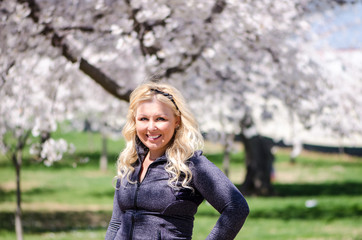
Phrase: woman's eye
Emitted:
{"points": [[142, 119], [161, 119]]}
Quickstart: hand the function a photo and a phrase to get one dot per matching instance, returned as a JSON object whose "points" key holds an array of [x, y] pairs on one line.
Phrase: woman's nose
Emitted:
{"points": [[152, 125]]}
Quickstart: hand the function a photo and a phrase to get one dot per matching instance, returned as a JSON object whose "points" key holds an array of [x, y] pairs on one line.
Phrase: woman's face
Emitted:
{"points": [[155, 126]]}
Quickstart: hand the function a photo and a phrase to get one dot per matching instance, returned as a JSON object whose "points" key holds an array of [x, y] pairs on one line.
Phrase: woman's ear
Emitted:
{"points": [[178, 122]]}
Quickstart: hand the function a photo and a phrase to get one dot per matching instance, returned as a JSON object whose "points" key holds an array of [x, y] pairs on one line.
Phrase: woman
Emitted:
{"points": [[163, 177]]}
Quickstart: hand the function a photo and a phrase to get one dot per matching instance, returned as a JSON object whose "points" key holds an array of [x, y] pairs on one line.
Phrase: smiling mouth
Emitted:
{"points": [[154, 137]]}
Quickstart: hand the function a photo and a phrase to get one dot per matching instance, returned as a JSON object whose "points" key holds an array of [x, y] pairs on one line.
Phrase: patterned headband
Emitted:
{"points": [[169, 96]]}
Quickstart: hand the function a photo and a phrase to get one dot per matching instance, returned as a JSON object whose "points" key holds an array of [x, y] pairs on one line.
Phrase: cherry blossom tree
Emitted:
{"points": [[230, 58], [29, 108], [38, 89], [34, 106]]}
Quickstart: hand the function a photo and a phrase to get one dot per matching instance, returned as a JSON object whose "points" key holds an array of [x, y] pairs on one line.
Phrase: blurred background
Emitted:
{"points": [[276, 87]]}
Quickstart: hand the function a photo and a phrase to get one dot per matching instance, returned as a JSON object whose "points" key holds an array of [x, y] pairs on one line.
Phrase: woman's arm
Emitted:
{"points": [[222, 194], [115, 222]]}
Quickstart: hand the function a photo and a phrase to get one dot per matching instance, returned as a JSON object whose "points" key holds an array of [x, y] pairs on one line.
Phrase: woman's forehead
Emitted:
{"points": [[153, 107]]}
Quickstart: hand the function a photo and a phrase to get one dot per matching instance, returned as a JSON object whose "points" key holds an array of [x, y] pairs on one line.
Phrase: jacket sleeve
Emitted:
{"points": [[115, 222], [222, 194]]}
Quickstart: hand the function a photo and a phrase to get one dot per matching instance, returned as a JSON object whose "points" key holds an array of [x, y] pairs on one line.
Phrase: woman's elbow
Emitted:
{"points": [[243, 208]]}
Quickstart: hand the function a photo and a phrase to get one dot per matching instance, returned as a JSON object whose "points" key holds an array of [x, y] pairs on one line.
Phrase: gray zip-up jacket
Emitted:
{"points": [[152, 210]]}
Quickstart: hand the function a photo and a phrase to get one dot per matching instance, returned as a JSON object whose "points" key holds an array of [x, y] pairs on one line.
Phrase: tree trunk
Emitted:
{"points": [[258, 159], [229, 138], [259, 165], [103, 162], [17, 161]]}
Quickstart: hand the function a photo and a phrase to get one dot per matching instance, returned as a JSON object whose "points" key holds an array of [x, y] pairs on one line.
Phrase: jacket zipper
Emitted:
{"points": [[135, 200], [138, 186], [135, 205], [136, 195], [132, 227]]}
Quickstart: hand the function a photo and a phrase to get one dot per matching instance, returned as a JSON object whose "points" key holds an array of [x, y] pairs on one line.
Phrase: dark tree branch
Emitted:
{"points": [[182, 68], [102, 79], [2, 83], [110, 85], [80, 28], [218, 8], [323, 5], [58, 41], [143, 28], [272, 54], [34, 7]]}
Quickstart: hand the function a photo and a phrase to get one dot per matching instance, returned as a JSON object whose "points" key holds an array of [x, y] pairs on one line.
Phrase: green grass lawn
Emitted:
{"points": [[73, 199]]}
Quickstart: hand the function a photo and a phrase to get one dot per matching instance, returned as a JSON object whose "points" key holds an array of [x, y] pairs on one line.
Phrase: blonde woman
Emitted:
{"points": [[163, 176]]}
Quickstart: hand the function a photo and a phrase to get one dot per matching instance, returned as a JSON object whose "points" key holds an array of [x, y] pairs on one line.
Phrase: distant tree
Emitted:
{"points": [[259, 160], [29, 108]]}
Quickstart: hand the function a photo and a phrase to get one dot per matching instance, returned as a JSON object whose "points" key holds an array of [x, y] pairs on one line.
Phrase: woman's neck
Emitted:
{"points": [[153, 157]]}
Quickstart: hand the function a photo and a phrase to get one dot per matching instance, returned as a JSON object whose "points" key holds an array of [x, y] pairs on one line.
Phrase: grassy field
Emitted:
{"points": [[73, 199]]}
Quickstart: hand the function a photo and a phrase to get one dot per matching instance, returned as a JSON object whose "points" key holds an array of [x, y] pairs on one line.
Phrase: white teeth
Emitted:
{"points": [[154, 137]]}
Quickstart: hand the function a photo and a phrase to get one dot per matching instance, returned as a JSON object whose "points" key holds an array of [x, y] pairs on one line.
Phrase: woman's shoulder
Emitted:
{"points": [[199, 159], [197, 156]]}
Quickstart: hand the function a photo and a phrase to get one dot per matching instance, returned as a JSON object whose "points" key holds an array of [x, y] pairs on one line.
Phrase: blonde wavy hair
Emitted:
{"points": [[187, 138]]}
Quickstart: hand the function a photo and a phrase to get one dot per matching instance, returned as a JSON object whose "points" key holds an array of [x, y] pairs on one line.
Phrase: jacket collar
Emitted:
{"points": [[142, 151]]}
